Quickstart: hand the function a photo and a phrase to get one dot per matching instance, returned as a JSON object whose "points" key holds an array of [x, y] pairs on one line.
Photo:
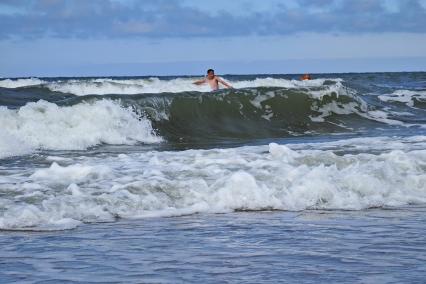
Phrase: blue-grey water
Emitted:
{"points": [[156, 180], [372, 246]]}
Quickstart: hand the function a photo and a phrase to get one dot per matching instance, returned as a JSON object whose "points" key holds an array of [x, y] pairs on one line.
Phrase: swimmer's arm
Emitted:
{"points": [[220, 80], [199, 82]]}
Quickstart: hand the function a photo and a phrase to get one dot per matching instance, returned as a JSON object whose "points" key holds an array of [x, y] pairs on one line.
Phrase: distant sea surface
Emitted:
{"points": [[157, 180]]}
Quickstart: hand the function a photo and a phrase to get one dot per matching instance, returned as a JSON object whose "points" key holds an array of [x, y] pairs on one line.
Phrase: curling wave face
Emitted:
{"points": [[69, 191], [261, 112]]}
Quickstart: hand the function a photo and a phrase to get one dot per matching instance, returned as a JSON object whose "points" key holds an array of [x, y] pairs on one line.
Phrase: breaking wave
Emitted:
{"points": [[44, 125], [274, 177], [153, 110]]}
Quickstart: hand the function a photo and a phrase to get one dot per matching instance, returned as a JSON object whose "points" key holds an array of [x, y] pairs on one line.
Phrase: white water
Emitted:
{"points": [[44, 125], [17, 83], [104, 86], [69, 191], [407, 97]]}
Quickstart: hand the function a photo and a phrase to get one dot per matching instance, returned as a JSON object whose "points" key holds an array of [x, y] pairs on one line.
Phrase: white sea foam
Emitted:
{"points": [[275, 82], [337, 89], [102, 86], [17, 83], [44, 125], [11, 145], [368, 144], [131, 86], [404, 96], [93, 189], [359, 107]]}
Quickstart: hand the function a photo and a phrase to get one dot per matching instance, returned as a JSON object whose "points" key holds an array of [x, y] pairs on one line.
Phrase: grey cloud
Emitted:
{"points": [[170, 18]]}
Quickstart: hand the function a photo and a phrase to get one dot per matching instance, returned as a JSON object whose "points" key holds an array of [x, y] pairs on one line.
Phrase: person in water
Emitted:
{"points": [[306, 77], [212, 80]]}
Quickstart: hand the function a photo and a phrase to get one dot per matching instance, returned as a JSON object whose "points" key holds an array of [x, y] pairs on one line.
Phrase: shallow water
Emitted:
{"points": [[371, 246]]}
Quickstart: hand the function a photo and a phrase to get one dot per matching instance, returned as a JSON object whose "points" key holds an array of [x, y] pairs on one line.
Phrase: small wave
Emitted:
{"points": [[99, 189], [44, 125], [18, 83]]}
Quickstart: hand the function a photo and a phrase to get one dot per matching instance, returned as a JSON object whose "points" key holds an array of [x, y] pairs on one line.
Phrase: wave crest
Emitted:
{"points": [[44, 125], [104, 86]]}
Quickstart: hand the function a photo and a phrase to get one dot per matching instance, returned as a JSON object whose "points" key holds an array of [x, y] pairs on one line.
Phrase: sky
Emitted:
{"points": [[186, 37]]}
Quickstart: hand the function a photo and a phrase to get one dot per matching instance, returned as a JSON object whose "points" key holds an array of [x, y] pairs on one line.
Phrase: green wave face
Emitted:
{"points": [[250, 113]]}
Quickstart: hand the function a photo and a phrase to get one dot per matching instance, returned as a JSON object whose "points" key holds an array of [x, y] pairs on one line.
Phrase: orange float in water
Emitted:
{"points": [[305, 77]]}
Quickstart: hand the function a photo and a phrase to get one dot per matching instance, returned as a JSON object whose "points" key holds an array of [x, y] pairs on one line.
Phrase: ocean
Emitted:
{"points": [[157, 180]]}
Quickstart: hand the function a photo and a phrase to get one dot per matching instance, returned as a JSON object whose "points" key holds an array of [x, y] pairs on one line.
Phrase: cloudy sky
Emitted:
{"points": [[176, 37]]}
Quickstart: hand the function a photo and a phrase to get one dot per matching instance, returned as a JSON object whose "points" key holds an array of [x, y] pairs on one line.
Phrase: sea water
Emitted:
{"points": [[154, 179]]}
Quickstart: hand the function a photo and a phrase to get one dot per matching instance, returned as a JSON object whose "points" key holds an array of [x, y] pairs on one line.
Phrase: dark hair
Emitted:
{"points": [[210, 70]]}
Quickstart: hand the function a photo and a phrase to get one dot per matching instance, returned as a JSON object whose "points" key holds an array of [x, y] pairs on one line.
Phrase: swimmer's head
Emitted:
{"points": [[210, 73]]}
